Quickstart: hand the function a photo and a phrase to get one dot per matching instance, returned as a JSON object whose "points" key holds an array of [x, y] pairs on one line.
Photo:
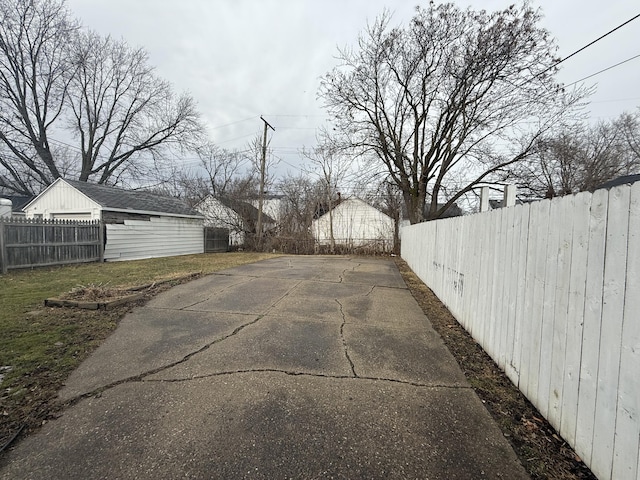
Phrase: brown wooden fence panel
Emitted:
{"points": [[26, 243]]}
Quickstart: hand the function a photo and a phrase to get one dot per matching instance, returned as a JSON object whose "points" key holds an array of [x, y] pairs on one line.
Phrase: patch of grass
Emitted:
{"points": [[40, 346]]}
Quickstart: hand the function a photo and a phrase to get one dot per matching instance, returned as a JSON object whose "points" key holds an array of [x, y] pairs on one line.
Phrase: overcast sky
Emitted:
{"points": [[240, 59]]}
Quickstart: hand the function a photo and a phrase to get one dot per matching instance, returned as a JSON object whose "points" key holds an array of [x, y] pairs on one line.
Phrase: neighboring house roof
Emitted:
{"points": [[244, 209], [452, 211], [626, 179], [18, 201], [119, 199]]}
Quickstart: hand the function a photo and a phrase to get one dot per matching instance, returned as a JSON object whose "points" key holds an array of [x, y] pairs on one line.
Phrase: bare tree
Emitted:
{"points": [[34, 76], [453, 90], [331, 167], [387, 198], [222, 168], [120, 110], [53, 76], [630, 125], [580, 158]]}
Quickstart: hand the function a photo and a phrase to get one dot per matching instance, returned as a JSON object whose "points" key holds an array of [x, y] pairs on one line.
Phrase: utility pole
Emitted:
{"points": [[263, 162]]}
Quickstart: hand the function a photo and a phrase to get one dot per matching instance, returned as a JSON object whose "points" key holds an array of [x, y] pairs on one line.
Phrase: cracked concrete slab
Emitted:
{"points": [[187, 294], [271, 425], [304, 346], [377, 272], [383, 305], [316, 300], [305, 367], [413, 355], [255, 296], [148, 339]]}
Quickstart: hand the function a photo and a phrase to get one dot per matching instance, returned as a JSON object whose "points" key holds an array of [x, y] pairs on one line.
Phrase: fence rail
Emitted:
{"points": [[27, 243], [551, 291]]}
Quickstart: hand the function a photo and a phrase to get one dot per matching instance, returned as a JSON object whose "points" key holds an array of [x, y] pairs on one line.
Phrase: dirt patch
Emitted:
{"points": [[541, 450]]}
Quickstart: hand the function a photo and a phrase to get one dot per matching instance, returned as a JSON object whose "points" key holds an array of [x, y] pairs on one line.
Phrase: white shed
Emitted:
{"points": [[138, 224], [355, 224]]}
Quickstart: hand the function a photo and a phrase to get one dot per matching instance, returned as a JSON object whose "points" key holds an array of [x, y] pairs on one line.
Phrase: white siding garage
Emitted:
{"points": [[138, 224], [157, 237], [355, 224]]}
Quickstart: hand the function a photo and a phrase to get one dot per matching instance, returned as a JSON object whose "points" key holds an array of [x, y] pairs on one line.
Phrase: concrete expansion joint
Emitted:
{"points": [[344, 342], [285, 295]]}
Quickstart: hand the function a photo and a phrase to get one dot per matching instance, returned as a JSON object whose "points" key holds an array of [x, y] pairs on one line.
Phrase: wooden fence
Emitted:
{"points": [[216, 239], [551, 291], [26, 243]]}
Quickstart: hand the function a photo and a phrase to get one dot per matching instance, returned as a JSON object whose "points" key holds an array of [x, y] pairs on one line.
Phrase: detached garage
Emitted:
{"points": [[137, 224]]}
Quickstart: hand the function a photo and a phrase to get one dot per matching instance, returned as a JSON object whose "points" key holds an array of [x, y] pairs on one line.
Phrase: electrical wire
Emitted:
{"points": [[603, 70], [583, 48]]}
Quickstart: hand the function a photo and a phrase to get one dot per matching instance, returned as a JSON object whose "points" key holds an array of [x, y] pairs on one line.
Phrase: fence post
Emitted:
{"points": [[3, 250], [484, 199], [509, 199], [101, 232]]}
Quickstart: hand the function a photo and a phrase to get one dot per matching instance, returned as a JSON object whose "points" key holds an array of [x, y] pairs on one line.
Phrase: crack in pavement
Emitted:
{"points": [[306, 374], [344, 342], [352, 269], [141, 376], [222, 290]]}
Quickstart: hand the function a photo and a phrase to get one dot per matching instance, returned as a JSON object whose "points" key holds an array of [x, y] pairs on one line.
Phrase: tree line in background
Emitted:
{"points": [[424, 114]]}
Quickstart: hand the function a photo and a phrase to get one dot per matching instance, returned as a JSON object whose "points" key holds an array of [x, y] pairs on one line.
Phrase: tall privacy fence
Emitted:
{"points": [[551, 290], [26, 243]]}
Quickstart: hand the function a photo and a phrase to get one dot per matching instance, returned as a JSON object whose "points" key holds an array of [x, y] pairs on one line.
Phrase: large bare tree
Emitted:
{"points": [[56, 78], [34, 76], [121, 111], [454, 91]]}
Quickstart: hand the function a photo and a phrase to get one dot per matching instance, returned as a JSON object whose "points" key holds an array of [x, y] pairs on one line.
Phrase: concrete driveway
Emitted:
{"points": [[295, 367]]}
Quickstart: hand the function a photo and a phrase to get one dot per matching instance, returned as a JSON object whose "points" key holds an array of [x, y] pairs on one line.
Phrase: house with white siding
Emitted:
{"points": [[239, 217], [138, 224], [355, 224]]}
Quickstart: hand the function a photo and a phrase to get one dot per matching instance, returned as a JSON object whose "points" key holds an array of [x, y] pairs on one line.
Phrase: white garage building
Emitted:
{"points": [[138, 224]]}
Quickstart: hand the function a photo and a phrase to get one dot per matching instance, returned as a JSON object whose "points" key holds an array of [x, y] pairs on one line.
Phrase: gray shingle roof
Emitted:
{"points": [[121, 199], [245, 209], [619, 181]]}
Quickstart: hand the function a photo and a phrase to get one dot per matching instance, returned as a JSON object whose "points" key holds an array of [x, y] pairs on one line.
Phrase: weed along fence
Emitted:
{"points": [[26, 243], [551, 290]]}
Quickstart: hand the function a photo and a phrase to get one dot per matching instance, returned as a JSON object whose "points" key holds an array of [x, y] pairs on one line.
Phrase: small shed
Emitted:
{"points": [[356, 224], [138, 224]]}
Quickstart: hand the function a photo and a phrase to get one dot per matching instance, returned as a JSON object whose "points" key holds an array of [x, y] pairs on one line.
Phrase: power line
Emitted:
{"points": [[581, 49], [598, 39], [234, 123], [603, 70]]}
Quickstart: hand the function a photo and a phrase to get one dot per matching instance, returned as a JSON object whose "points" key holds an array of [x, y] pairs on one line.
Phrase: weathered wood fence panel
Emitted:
{"points": [[26, 243], [551, 291], [216, 240]]}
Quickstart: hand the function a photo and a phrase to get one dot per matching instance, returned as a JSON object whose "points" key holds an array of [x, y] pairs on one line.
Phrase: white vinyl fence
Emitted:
{"points": [[551, 290]]}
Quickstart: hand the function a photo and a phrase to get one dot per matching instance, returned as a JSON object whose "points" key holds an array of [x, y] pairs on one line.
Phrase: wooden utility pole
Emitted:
{"points": [[263, 162]]}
